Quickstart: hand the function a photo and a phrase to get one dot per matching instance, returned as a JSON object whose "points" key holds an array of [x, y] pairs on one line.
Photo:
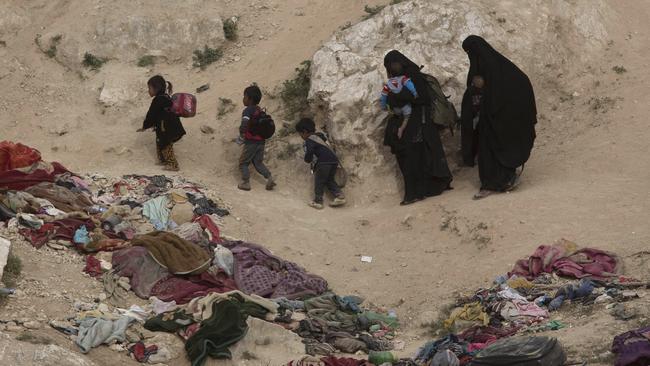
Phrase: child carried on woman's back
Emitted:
{"points": [[395, 84]]}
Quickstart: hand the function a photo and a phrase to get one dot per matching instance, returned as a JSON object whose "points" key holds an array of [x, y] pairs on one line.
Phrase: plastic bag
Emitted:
{"points": [[224, 259]]}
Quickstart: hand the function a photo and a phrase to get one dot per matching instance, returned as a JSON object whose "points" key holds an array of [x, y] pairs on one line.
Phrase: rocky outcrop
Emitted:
{"points": [[5, 245], [347, 72], [264, 344], [127, 31], [122, 85]]}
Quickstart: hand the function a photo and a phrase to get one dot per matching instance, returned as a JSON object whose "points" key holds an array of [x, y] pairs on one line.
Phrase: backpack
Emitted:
{"points": [[261, 124], [444, 113], [183, 105], [522, 351]]}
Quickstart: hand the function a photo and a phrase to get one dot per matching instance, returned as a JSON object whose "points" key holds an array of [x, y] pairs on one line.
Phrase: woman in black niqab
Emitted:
{"points": [[419, 152], [506, 126]]}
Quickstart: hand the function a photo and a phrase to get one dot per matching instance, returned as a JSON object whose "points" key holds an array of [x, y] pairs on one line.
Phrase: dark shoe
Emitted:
{"points": [[244, 185], [482, 194], [270, 184], [316, 205], [338, 202], [411, 201], [513, 184]]}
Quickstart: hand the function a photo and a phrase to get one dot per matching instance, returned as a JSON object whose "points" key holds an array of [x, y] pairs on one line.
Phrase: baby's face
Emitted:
{"points": [[478, 82]]}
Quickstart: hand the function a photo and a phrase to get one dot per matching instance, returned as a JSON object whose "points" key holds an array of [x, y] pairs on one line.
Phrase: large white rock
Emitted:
{"points": [[541, 36], [125, 31], [264, 344], [5, 245], [123, 85]]}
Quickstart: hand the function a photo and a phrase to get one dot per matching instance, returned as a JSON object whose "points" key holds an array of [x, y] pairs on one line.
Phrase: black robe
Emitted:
{"points": [[506, 129], [419, 152], [468, 135], [167, 125]]}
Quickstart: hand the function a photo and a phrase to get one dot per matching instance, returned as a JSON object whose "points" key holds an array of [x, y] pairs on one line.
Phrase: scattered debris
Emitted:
{"points": [[203, 88], [225, 106], [207, 130]]}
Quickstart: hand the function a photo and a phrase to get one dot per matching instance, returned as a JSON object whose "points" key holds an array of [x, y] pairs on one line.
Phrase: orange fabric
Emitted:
{"points": [[17, 155]]}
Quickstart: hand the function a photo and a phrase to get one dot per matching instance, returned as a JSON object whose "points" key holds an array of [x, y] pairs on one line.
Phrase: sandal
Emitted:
{"points": [[171, 168], [513, 184], [482, 194]]}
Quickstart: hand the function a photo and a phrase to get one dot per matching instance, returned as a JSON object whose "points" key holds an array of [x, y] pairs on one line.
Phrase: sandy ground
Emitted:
{"points": [[586, 181]]}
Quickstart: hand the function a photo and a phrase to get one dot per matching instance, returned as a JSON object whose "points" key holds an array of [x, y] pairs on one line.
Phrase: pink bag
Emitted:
{"points": [[183, 105]]}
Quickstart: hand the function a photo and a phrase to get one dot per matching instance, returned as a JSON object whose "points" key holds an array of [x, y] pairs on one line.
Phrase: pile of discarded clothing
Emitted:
{"points": [[50, 205], [523, 301], [158, 236], [632, 348], [330, 324]]}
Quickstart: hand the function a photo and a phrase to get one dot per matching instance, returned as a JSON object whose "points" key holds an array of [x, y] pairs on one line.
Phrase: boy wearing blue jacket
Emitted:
{"points": [[324, 163]]}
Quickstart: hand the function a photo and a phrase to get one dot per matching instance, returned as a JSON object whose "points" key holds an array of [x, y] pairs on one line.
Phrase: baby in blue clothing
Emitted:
{"points": [[394, 85]]}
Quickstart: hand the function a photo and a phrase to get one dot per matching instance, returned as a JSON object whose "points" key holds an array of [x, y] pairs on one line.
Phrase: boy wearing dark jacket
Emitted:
{"points": [[253, 149], [325, 165]]}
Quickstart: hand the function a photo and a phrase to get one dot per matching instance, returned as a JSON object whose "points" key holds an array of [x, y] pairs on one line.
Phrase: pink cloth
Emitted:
{"points": [[559, 258], [475, 347], [184, 289], [207, 224]]}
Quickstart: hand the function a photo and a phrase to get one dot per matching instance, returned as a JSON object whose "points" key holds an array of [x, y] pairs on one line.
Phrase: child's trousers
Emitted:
{"points": [[324, 178], [253, 153]]}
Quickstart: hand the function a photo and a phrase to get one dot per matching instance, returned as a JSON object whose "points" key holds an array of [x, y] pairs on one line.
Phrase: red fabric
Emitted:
{"points": [[465, 360], [105, 245], [17, 155], [588, 262], [93, 266], [20, 179], [60, 229], [486, 334], [207, 224], [189, 331], [343, 361], [142, 353], [248, 135], [184, 289]]}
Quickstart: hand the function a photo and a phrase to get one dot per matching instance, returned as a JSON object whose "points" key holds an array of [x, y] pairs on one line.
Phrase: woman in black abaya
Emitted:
{"points": [[419, 152], [507, 118]]}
